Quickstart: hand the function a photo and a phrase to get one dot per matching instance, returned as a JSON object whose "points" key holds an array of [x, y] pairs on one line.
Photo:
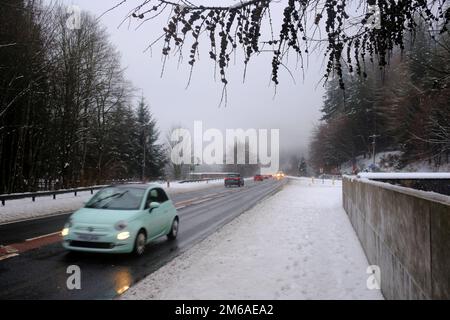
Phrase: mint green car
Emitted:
{"points": [[122, 219]]}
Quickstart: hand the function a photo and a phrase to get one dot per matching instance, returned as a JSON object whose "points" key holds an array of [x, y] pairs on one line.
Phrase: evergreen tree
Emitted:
{"points": [[65, 115], [150, 154], [302, 167]]}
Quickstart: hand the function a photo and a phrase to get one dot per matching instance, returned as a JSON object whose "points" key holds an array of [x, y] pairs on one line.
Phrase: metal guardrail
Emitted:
{"points": [[34, 195], [75, 191]]}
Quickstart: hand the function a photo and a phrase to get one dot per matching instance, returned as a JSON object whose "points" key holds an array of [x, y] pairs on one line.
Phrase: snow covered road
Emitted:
{"points": [[298, 244]]}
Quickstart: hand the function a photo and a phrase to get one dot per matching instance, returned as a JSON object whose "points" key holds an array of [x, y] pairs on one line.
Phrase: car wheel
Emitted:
{"points": [[174, 230], [140, 243]]}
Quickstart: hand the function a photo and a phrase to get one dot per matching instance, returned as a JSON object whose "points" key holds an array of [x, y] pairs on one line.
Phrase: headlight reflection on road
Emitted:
{"points": [[123, 281]]}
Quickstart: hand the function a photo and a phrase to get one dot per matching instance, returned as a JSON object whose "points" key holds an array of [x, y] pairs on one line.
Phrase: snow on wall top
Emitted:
{"points": [[427, 195], [405, 175]]}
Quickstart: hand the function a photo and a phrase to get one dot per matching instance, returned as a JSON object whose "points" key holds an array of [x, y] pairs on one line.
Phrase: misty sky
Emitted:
{"points": [[294, 109]]}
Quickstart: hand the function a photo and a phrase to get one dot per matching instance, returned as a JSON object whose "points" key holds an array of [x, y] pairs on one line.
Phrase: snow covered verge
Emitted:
{"points": [[17, 210], [299, 244]]}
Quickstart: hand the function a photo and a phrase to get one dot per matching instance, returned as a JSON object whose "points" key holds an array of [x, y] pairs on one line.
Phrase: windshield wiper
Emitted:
{"points": [[115, 195]]}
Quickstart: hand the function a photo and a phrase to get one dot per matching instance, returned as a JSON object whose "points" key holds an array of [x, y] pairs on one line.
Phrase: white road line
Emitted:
{"points": [[44, 236], [202, 201], [8, 256]]}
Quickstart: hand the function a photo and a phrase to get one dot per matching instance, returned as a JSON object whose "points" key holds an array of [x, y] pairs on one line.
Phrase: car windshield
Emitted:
{"points": [[117, 198], [234, 176]]}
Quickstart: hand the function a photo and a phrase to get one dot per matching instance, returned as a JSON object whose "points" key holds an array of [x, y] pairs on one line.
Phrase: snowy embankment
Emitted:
{"points": [[390, 162], [299, 244], [17, 210]]}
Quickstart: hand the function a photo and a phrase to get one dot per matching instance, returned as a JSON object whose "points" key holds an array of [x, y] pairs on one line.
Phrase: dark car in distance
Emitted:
{"points": [[234, 179]]}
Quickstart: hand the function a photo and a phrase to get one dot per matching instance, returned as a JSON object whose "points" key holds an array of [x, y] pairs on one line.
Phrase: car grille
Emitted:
{"points": [[91, 229], [92, 245]]}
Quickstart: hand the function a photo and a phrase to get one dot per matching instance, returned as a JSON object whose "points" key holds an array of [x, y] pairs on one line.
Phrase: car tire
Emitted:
{"points": [[174, 229], [140, 243]]}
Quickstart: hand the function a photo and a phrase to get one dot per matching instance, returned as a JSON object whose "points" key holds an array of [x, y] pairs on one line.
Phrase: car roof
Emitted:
{"points": [[142, 186]]}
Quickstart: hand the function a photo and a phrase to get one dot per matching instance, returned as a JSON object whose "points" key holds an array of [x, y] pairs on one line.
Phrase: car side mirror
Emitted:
{"points": [[153, 206]]}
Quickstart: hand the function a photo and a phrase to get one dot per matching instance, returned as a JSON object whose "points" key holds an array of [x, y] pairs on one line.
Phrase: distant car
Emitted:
{"points": [[122, 219], [258, 177], [234, 179], [280, 175], [267, 177]]}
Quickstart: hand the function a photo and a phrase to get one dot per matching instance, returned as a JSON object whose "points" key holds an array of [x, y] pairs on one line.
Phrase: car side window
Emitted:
{"points": [[162, 196], [152, 197]]}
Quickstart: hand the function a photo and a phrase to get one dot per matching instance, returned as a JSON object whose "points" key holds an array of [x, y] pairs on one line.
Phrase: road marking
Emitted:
{"points": [[183, 204], [44, 236], [9, 256], [28, 245], [202, 201], [7, 250]]}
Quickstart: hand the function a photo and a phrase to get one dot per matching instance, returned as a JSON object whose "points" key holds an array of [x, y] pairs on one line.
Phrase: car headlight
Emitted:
{"points": [[65, 232], [123, 235], [121, 225]]}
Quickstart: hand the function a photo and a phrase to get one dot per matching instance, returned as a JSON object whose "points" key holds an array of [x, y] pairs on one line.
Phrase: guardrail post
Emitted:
{"points": [[54, 196], [92, 191], [3, 203], [34, 199], [75, 193]]}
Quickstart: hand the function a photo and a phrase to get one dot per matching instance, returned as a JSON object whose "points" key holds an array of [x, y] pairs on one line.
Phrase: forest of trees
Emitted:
{"points": [[405, 106], [68, 116]]}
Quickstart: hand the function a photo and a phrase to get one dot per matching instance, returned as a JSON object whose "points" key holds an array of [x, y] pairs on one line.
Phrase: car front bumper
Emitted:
{"points": [[105, 243]]}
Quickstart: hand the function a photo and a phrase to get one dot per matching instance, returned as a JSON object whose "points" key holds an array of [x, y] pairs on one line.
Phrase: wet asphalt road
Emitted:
{"points": [[41, 273], [20, 231]]}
